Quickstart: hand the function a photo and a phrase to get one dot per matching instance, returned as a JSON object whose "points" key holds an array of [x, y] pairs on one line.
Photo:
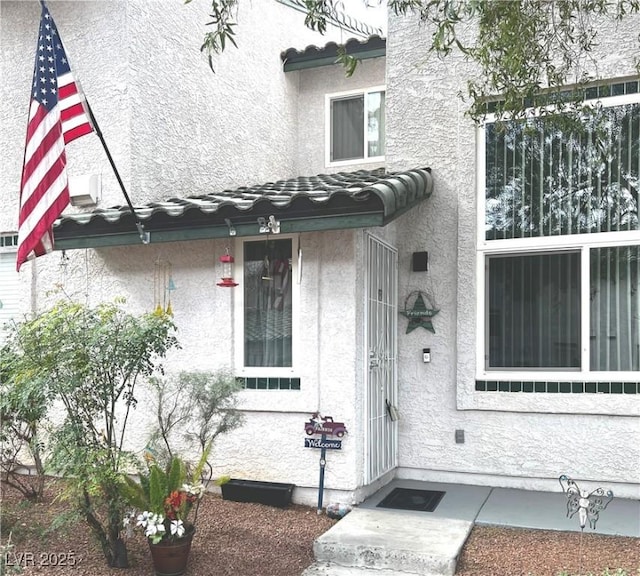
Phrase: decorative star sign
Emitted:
{"points": [[420, 315]]}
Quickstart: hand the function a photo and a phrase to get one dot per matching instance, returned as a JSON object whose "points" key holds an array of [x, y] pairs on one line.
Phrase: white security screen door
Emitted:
{"points": [[381, 320]]}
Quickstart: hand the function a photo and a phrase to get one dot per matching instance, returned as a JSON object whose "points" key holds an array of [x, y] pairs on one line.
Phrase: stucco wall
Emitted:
{"points": [[174, 129], [426, 126]]}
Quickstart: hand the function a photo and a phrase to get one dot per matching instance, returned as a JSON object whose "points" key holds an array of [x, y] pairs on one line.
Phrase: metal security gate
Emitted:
{"points": [[381, 319]]}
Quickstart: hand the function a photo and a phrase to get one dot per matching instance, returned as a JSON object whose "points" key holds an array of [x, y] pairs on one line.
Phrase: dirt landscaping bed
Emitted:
{"points": [[240, 539]]}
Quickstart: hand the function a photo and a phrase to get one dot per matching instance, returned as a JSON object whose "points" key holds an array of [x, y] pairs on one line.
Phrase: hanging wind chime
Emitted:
{"points": [[163, 286]]}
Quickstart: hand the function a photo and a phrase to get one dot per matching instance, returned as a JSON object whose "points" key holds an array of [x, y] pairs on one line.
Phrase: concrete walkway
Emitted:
{"points": [[374, 541]]}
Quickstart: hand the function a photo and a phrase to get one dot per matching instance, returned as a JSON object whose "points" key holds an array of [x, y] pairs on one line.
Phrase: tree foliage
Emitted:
{"points": [[89, 360], [23, 409], [526, 52], [192, 410]]}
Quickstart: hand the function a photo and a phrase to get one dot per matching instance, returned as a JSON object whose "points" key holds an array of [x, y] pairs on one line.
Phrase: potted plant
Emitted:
{"points": [[166, 502], [192, 409]]}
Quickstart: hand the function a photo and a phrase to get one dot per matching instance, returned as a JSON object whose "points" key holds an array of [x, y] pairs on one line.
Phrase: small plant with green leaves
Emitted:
{"points": [[192, 409], [165, 499]]}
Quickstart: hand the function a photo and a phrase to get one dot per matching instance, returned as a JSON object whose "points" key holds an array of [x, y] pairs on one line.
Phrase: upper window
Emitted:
{"points": [[268, 307], [560, 246], [355, 126]]}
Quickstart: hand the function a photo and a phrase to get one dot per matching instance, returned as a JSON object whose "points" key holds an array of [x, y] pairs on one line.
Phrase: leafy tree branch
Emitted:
{"points": [[526, 52]]}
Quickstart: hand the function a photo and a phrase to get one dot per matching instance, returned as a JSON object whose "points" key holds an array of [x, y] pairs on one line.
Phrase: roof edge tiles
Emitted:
{"points": [[316, 56], [362, 199]]}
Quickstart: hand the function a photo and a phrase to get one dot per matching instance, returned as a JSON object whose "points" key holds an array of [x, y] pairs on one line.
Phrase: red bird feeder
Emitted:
{"points": [[227, 271]]}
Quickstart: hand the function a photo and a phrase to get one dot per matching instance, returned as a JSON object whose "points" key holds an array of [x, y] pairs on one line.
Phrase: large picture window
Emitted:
{"points": [[560, 246], [356, 126]]}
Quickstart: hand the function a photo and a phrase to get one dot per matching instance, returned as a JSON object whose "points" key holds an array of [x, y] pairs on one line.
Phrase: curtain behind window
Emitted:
{"points": [[615, 308], [534, 311], [347, 128], [267, 303], [549, 178], [375, 124]]}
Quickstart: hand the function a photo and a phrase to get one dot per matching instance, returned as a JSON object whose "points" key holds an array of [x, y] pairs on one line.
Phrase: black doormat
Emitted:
{"points": [[409, 499]]}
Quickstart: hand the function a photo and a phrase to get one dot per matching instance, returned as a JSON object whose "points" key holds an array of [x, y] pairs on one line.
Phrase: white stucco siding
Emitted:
{"points": [[314, 84], [271, 444], [426, 126], [205, 130]]}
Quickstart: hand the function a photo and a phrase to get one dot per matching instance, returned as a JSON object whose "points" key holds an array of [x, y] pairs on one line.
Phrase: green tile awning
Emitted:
{"points": [[314, 56], [362, 199]]}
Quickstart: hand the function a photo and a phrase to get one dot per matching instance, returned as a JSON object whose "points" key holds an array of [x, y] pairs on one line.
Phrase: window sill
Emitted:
{"points": [[354, 161]]}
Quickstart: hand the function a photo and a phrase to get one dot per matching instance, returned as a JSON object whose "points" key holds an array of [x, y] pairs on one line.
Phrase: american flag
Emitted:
{"points": [[57, 115]]}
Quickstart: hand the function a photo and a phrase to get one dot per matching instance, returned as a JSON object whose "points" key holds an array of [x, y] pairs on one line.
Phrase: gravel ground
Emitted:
{"points": [[237, 539]]}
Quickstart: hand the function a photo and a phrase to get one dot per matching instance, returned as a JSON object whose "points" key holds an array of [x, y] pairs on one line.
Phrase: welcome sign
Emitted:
{"points": [[323, 443]]}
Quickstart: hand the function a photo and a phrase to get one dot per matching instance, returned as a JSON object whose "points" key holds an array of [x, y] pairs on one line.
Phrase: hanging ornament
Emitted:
{"points": [[266, 264], [163, 285], [171, 286], [418, 313], [227, 262]]}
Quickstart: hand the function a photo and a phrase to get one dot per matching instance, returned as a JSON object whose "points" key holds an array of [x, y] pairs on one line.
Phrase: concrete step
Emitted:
{"points": [[393, 541], [330, 569]]}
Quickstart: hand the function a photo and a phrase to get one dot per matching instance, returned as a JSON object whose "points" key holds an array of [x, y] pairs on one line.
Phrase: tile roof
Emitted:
{"points": [[328, 201], [314, 56]]}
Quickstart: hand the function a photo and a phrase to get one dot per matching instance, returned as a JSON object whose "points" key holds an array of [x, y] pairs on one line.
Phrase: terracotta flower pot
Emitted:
{"points": [[170, 558]]}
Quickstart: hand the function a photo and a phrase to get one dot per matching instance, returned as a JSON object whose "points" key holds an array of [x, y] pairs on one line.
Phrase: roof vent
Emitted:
{"points": [[85, 190]]}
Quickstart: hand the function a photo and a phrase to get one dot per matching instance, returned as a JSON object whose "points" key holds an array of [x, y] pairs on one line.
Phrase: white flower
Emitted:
{"points": [[155, 525], [143, 519], [194, 490], [177, 528]]}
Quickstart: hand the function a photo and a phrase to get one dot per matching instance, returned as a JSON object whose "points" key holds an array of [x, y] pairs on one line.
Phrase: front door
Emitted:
{"points": [[381, 319]]}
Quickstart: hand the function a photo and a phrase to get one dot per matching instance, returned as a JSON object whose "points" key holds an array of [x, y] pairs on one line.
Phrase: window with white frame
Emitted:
{"points": [[559, 249], [9, 282], [355, 126], [267, 313]]}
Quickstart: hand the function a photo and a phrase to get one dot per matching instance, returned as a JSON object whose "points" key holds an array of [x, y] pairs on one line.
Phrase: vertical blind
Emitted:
{"points": [[615, 308], [546, 177], [347, 128], [9, 289], [556, 178], [534, 311]]}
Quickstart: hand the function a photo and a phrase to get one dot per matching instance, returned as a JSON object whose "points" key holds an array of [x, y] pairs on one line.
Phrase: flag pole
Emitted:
{"points": [[145, 236]]}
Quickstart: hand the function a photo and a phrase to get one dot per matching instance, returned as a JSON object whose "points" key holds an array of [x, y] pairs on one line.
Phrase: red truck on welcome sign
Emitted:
{"points": [[324, 425]]}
